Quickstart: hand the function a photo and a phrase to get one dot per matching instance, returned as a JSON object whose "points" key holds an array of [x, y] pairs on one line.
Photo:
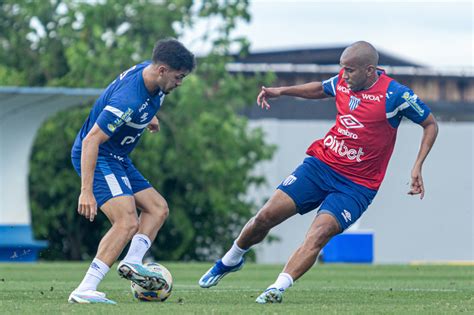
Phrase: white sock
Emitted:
{"points": [[234, 255], [96, 272], [138, 248], [283, 282]]}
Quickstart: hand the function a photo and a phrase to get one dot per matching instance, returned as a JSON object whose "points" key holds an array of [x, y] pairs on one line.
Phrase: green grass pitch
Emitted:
{"points": [[43, 288]]}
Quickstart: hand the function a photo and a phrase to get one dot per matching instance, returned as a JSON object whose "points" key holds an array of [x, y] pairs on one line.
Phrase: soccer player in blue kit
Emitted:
{"points": [[110, 181]]}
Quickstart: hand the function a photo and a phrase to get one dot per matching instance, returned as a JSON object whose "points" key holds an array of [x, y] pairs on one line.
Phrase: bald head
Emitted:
{"points": [[359, 63], [361, 54]]}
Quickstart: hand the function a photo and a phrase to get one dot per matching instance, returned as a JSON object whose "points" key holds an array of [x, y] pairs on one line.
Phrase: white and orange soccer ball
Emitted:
{"points": [[161, 295]]}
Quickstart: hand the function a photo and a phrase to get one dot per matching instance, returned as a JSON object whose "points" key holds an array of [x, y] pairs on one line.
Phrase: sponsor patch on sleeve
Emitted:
{"points": [[125, 117], [412, 100]]}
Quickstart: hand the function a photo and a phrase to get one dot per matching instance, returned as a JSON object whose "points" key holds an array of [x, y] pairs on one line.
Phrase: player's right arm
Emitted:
{"points": [[311, 90], [87, 205]]}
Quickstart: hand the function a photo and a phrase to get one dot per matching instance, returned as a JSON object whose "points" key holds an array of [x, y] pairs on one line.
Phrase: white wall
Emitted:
{"points": [[22, 112], [406, 229]]}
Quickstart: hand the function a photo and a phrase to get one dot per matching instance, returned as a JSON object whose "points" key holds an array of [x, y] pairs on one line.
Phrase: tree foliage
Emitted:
{"points": [[84, 43], [201, 161]]}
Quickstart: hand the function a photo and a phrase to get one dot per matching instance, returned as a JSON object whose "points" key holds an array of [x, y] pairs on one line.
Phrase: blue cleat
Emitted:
{"points": [[217, 272], [141, 275], [270, 295], [89, 297]]}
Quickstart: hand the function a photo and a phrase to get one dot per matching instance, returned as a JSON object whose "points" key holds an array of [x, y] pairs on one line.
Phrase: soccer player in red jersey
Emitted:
{"points": [[344, 170]]}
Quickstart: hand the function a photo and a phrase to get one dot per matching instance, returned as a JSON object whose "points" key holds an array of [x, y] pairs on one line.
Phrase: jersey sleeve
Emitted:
{"points": [[113, 116], [403, 102], [329, 86]]}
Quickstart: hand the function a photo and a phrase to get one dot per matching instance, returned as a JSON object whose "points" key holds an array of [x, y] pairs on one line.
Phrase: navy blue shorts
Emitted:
{"points": [[314, 184], [113, 178]]}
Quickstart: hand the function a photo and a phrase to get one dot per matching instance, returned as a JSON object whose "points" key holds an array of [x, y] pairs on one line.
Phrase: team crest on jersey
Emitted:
{"points": [[353, 102], [289, 180]]}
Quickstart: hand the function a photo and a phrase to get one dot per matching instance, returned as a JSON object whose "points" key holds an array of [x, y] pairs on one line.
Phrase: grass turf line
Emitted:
{"points": [[43, 288]]}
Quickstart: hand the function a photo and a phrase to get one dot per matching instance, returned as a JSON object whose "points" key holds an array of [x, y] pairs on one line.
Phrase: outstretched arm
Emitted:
{"points": [[430, 131], [312, 90]]}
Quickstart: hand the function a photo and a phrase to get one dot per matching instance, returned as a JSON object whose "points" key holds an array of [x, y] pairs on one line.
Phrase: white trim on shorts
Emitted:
{"points": [[113, 184]]}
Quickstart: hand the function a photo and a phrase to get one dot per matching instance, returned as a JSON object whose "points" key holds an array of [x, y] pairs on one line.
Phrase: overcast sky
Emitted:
{"points": [[431, 33]]}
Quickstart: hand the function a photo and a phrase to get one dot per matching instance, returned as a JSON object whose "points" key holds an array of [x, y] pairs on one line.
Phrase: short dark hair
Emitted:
{"points": [[172, 53]]}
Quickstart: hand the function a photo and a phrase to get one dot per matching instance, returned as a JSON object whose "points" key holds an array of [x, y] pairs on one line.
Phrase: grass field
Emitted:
{"points": [[43, 288]]}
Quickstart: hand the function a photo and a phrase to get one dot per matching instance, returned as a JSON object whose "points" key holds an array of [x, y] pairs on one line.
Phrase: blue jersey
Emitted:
{"points": [[122, 111]]}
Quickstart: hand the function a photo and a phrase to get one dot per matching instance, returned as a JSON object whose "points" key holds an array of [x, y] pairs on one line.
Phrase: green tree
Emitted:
{"points": [[53, 191], [81, 43], [201, 161]]}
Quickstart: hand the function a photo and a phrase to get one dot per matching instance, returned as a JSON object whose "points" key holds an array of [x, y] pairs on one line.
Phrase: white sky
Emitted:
{"points": [[432, 33]]}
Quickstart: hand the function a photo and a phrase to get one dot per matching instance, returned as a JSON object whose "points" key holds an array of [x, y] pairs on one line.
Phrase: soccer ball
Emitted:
{"points": [[161, 295]]}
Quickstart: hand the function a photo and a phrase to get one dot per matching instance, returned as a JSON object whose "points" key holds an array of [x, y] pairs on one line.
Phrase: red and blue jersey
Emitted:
{"points": [[360, 144], [122, 111]]}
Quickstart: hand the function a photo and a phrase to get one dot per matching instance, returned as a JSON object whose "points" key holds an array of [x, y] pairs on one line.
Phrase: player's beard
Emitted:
{"points": [[169, 90], [353, 88]]}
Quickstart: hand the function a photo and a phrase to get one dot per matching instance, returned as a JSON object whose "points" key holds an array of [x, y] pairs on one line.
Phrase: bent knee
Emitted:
{"points": [[158, 208], [129, 225], [162, 209], [164, 212]]}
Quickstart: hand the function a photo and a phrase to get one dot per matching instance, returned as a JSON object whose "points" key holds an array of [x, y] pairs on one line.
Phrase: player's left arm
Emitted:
{"points": [[430, 132], [403, 102], [154, 125]]}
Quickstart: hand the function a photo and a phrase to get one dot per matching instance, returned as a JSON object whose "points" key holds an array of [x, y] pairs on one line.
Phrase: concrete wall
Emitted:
{"points": [[17, 130], [22, 112], [406, 229]]}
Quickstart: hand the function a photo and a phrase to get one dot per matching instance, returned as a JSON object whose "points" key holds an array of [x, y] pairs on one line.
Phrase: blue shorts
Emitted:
{"points": [[113, 178], [315, 184]]}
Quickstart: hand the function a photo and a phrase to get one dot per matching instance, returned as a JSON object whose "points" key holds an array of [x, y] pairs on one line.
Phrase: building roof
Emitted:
{"points": [[320, 56], [22, 98]]}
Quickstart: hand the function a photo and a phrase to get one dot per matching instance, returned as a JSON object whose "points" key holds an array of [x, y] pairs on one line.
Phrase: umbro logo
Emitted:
{"points": [[289, 180], [126, 181], [143, 117], [346, 215], [350, 122], [144, 241], [95, 266]]}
